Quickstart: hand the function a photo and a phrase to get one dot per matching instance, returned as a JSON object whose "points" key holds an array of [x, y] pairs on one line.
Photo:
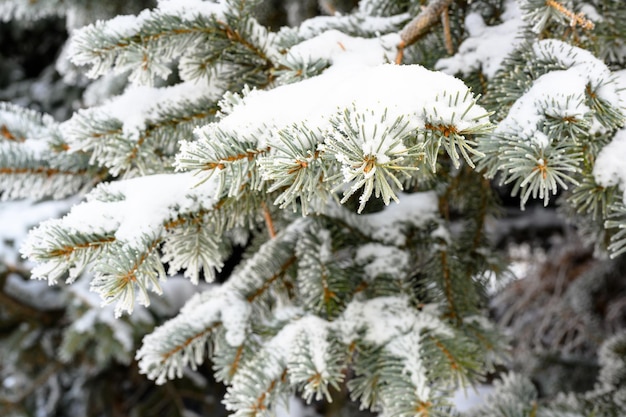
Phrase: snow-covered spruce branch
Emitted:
{"points": [[34, 161], [298, 350], [541, 13], [139, 131], [148, 43], [562, 117], [353, 295], [124, 242], [369, 21], [362, 147], [310, 354], [170, 348], [549, 129]]}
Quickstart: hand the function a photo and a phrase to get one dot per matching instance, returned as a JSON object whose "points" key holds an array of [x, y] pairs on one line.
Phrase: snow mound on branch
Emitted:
{"points": [[487, 46]]}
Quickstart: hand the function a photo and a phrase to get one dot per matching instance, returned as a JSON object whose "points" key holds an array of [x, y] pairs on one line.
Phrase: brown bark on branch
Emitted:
{"points": [[268, 221], [420, 25], [447, 33]]}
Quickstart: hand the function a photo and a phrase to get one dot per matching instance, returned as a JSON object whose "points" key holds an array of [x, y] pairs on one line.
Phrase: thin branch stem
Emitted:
{"points": [[575, 19], [447, 34], [271, 229], [166, 355], [6, 134], [261, 290], [421, 25], [447, 285]]}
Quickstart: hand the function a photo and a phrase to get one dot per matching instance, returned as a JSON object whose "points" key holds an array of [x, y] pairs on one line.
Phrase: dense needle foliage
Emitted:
{"points": [[311, 211]]}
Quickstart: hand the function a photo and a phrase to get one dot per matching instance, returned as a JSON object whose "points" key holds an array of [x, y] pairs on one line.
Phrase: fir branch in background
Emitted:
{"points": [[148, 43], [34, 161], [132, 136]]}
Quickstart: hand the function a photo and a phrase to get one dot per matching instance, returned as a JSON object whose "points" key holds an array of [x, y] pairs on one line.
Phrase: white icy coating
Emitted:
{"points": [[148, 202], [129, 25], [385, 318], [341, 49], [610, 166], [200, 313], [583, 63], [188, 9], [375, 24], [144, 205], [220, 303], [394, 323], [407, 346], [566, 87], [559, 93], [135, 108], [123, 25], [415, 210], [408, 90], [486, 46], [314, 330], [590, 12], [18, 217], [380, 259]]}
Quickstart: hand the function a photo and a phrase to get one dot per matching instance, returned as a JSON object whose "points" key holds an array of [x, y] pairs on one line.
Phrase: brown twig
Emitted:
{"points": [[268, 220], [6, 133], [268, 282], [447, 34], [575, 19], [418, 27]]}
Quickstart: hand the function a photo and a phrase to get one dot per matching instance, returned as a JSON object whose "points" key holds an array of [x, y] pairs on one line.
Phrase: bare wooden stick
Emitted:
{"points": [[418, 27], [447, 34], [268, 220]]}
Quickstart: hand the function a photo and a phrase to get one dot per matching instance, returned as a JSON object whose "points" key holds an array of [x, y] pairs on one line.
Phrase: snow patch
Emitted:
{"points": [[382, 260], [487, 46], [413, 210], [609, 169]]}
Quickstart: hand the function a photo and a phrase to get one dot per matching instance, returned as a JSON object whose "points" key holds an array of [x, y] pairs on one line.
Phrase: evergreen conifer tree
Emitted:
{"points": [[329, 189]]}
